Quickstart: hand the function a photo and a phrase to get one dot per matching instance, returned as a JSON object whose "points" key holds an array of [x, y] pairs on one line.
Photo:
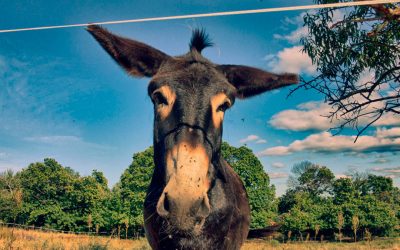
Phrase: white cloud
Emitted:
{"points": [[326, 143], [291, 60], [279, 150], [388, 133], [66, 140], [307, 116], [261, 141], [393, 172], [278, 165], [249, 138], [388, 119], [300, 30], [312, 116], [386, 170], [253, 138], [297, 20], [54, 139], [380, 161], [294, 36], [277, 175], [340, 176]]}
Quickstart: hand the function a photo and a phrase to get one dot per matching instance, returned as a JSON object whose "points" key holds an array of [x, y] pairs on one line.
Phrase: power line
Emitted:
{"points": [[214, 14]]}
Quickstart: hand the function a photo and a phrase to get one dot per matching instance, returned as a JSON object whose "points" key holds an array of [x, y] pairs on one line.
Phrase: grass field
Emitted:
{"points": [[19, 239]]}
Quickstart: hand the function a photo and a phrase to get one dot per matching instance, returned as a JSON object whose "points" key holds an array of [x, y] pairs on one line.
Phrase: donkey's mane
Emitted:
{"points": [[200, 40]]}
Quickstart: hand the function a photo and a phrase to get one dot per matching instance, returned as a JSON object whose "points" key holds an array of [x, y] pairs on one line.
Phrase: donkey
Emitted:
{"points": [[195, 199]]}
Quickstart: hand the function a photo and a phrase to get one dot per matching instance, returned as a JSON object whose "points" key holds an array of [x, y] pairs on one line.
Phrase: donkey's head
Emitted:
{"points": [[190, 96]]}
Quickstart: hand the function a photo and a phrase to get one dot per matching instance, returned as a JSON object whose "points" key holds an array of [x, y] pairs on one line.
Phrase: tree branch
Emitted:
{"points": [[361, 20], [382, 10]]}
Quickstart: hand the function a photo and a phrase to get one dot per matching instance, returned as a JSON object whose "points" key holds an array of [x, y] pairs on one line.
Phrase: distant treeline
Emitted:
{"points": [[46, 194]]}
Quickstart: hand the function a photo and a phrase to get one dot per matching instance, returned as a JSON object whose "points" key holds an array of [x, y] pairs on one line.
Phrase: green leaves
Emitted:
{"points": [[346, 45], [259, 189], [56, 196], [311, 178], [369, 198], [133, 186]]}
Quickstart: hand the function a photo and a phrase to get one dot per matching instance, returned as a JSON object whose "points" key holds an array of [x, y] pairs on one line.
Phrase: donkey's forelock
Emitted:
{"points": [[200, 40]]}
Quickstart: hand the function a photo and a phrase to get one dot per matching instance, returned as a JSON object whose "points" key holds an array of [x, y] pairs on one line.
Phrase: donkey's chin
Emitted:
{"points": [[185, 227]]}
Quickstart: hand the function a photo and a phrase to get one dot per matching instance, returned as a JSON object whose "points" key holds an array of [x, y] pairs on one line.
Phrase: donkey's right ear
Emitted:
{"points": [[137, 58]]}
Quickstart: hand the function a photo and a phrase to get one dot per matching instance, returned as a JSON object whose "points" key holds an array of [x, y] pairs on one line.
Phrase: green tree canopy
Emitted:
{"points": [[10, 196], [311, 178], [369, 198], [347, 45], [257, 183], [56, 196], [133, 185]]}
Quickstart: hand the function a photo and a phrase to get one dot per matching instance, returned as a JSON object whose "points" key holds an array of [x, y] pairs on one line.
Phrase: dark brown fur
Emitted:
{"points": [[185, 209]]}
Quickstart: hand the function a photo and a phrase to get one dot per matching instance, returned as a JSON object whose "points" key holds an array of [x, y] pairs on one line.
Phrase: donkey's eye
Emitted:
{"points": [[223, 107], [159, 99]]}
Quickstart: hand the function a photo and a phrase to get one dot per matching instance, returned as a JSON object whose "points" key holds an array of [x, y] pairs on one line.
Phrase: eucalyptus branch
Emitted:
{"points": [[359, 20]]}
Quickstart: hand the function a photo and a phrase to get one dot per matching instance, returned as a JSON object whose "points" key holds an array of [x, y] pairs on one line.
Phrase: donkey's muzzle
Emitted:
{"points": [[184, 201], [186, 217]]}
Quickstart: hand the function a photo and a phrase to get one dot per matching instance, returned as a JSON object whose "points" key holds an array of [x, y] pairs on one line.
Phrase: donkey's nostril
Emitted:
{"points": [[163, 205], [166, 203], [205, 207], [201, 208]]}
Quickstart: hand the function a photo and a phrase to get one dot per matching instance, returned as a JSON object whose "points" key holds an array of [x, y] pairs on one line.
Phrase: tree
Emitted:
{"points": [[57, 197], [133, 185], [287, 201], [343, 190], [363, 41], [296, 221], [380, 218], [340, 224], [370, 198], [261, 193], [90, 222], [100, 179], [379, 184], [355, 222], [47, 187], [309, 213], [317, 227], [311, 178], [10, 196]]}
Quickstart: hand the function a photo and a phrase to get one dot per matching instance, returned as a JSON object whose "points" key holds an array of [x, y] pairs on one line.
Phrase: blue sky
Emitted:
{"points": [[61, 96]]}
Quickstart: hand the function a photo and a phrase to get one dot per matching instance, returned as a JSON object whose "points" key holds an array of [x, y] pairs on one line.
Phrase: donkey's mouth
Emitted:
{"points": [[186, 215], [183, 227]]}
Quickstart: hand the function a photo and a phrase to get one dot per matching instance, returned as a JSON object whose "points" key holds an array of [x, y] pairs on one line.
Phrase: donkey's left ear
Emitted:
{"points": [[137, 58], [250, 81]]}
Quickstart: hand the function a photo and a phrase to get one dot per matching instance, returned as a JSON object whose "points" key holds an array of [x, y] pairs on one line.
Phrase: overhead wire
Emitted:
{"points": [[213, 14]]}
